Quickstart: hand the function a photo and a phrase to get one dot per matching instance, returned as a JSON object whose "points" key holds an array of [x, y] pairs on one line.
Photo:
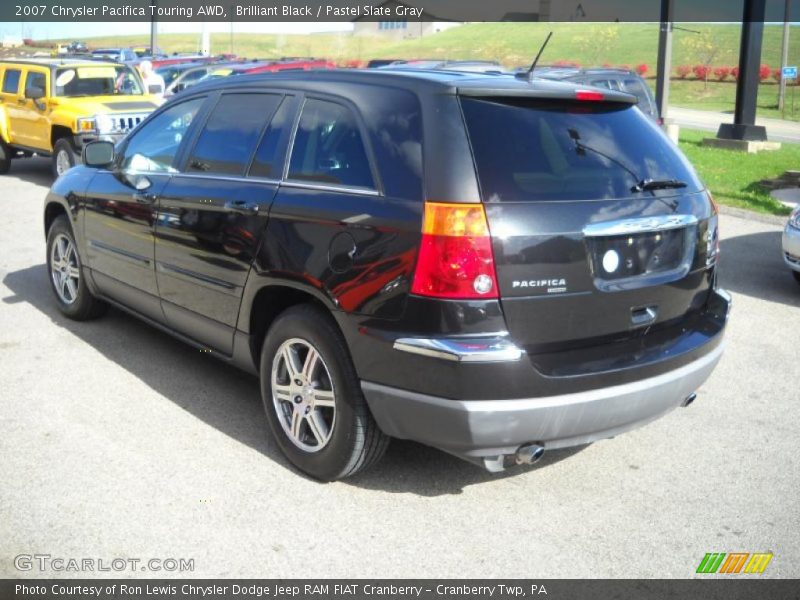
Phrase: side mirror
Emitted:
{"points": [[34, 93], [98, 154], [154, 89]]}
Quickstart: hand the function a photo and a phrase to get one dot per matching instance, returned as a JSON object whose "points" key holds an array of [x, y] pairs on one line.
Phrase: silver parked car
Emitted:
{"points": [[791, 243]]}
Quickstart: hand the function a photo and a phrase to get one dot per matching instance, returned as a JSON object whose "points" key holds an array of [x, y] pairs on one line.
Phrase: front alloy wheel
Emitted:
{"points": [[73, 296], [65, 270], [303, 395]]}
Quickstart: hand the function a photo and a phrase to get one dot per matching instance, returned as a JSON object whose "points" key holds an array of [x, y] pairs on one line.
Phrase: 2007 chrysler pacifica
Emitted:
{"points": [[485, 264]]}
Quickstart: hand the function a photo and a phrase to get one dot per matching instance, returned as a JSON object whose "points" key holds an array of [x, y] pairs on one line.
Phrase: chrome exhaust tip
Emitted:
{"points": [[529, 454], [689, 399]]}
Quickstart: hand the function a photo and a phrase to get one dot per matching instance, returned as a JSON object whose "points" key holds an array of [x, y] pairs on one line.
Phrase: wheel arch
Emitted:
{"points": [[52, 211], [58, 132], [4, 134], [269, 301]]}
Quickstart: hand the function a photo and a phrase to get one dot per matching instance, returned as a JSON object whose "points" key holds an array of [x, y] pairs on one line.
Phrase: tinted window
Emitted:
{"points": [[328, 147], [637, 88], [267, 162], [193, 75], [35, 80], [231, 133], [536, 150], [11, 81], [604, 83], [394, 122], [154, 146]]}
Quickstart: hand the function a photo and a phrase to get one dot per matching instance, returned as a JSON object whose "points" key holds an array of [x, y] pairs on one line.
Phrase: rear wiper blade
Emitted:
{"points": [[647, 185]]}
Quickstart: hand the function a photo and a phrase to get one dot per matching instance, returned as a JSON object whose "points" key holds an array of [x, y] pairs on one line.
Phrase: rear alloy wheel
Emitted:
{"points": [[313, 399], [303, 395], [64, 268], [5, 158], [64, 157]]}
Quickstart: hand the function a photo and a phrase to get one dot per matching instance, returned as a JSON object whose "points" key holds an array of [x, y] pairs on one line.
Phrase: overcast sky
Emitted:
{"points": [[81, 31]]}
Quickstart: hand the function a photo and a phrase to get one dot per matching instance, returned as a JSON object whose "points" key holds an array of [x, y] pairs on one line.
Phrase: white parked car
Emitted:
{"points": [[791, 243]]}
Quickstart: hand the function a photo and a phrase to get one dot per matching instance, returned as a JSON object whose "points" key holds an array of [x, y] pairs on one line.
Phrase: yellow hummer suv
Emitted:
{"points": [[52, 107]]}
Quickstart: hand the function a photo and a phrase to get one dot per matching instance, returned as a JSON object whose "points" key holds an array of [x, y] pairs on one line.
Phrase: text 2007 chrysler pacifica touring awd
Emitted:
{"points": [[485, 264]]}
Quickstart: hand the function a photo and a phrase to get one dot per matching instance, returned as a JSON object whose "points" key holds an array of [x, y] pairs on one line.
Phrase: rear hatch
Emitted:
{"points": [[601, 230]]}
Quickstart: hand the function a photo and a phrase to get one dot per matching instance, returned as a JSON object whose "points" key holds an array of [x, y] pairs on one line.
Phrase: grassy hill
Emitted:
{"points": [[515, 44], [511, 43]]}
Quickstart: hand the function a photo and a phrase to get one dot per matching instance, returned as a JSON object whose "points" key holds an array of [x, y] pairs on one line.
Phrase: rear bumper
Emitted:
{"points": [[491, 429]]}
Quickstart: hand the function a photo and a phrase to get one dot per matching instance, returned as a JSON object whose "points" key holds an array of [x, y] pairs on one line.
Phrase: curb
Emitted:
{"points": [[749, 215]]}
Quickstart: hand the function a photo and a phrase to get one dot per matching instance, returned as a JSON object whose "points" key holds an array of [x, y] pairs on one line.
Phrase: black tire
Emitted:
{"points": [[5, 158], [796, 276], [84, 306], [356, 442], [63, 150]]}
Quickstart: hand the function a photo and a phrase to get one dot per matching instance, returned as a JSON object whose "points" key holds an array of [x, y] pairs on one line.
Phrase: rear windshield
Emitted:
{"points": [[528, 150]]}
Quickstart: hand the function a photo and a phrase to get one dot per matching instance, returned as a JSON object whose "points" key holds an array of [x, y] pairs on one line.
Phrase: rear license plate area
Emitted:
{"points": [[622, 257]]}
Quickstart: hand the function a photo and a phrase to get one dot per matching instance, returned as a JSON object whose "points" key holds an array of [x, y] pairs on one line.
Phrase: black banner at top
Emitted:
{"points": [[390, 10]]}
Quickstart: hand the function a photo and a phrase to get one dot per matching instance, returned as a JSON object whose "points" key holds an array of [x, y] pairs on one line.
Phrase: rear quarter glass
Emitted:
{"points": [[533, 150]]}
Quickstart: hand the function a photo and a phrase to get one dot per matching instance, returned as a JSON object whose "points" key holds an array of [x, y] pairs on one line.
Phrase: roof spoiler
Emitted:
{"points": [[567, 92]]}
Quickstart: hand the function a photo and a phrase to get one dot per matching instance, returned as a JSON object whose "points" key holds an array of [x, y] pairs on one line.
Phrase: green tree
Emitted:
{"points": [[704, 47]]}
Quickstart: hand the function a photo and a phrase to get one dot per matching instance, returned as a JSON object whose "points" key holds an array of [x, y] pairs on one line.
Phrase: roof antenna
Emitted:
{"points": [[529, 73]]}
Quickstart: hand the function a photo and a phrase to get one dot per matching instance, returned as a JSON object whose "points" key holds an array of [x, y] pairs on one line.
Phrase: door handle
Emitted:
{"points": [[21, 100], [144, 197], [241, 207]]}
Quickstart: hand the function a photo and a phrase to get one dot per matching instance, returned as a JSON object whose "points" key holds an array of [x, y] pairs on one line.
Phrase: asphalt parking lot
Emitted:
{"points": [[118, 441]]}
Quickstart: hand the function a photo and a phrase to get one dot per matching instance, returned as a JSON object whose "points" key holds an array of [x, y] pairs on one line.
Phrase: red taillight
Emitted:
{"points": [[455, 256], [589, 96]]}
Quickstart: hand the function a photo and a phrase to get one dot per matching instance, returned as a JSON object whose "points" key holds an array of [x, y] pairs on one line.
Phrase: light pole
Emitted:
{"points": [[784, 55], [664, 58], [153, 28]]}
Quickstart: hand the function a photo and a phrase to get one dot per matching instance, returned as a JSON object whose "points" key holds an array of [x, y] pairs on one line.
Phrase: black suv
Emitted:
{"points": [[484, 264]]}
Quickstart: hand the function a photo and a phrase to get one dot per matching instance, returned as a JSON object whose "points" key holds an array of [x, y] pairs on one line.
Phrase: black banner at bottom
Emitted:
{"points": [[728, 588]]}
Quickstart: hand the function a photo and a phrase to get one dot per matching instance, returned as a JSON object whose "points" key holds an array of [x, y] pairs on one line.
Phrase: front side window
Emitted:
{"points": [[11, 81], [231, 133], [328, 147], [35, 80], [97, 80], [154, 146]]}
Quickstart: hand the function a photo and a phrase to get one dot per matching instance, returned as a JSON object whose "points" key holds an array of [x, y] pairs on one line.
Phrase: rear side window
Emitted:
{"points": [[231, 133], [533, 150], [328, 147], [267, 162], [11, 81], [35, 80]]}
